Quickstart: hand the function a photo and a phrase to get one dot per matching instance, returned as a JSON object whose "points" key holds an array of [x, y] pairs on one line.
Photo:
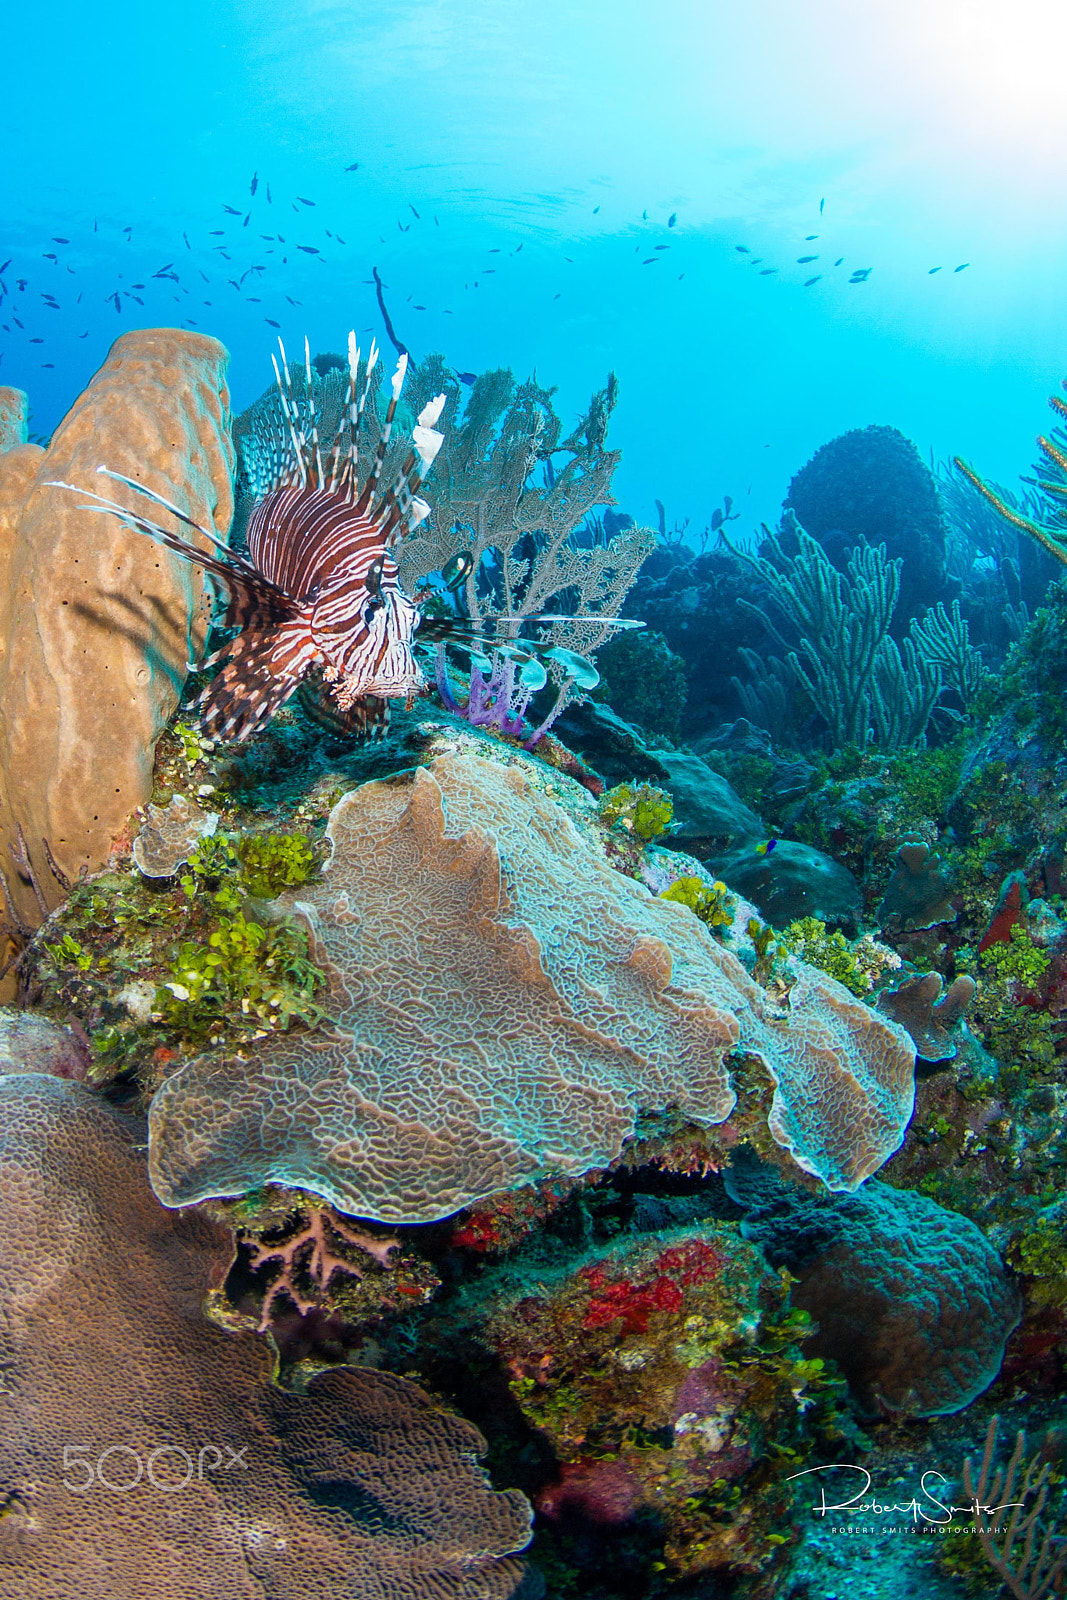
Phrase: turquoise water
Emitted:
{"points": [[545, 148]]}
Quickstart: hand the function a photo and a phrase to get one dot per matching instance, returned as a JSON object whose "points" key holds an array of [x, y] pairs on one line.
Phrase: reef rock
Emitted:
{"points": [[97, 622], [31, 1043], [910, 1299], [792, 881], [710, 814], [146, 1452], [623, 1368], [14, 417], [504, 1006]]}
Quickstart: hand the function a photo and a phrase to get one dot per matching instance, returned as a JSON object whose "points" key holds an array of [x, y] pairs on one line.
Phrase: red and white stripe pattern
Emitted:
{"points": [[320, 588]]}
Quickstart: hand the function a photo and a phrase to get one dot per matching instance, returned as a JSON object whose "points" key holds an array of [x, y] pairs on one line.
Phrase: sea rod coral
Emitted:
{"points": [[504, 1005]]}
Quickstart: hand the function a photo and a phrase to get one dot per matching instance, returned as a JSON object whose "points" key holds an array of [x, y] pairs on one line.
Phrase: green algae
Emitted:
{"points": [[640, 809], [715, 906]]}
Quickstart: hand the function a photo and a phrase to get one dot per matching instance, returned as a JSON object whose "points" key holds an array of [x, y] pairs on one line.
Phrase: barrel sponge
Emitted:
{"points": [[871, 486], [504, 1005], [96, 622], [910, 1299], [358, 1489]]}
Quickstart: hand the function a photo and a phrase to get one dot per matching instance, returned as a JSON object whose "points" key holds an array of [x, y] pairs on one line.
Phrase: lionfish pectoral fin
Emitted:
{"points": [[238, 574], [266, 666]]}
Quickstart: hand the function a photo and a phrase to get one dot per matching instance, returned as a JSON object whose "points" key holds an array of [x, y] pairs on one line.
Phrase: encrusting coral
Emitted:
{"points": [[502, 1006], [910, 1299], [97, 623], [146, 1452], [169, 834]]}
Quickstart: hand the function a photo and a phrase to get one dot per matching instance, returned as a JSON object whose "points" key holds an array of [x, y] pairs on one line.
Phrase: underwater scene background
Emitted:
{"points": [[533, 946]]}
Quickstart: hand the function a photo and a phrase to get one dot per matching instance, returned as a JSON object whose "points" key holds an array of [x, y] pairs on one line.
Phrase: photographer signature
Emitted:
{"points": [[858, 1503]]}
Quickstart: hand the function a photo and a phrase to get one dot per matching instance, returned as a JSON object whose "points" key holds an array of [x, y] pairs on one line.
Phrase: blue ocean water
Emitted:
{"points": [[568, 189]]}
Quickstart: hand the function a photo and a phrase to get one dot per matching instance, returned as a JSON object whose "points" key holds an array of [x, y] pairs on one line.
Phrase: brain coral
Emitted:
{"points": [[117, 1390], [910, 1299], [96, 622], [504, 1006]]}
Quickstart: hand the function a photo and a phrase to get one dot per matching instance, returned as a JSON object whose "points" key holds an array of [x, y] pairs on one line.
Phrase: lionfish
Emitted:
{"points": [[319, 592], [320, 588]]}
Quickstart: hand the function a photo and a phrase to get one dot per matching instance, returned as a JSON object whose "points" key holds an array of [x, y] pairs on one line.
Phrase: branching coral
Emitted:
{"points": [[864, 686], [1031, 1556], [319, 1263], [1051, 483]]}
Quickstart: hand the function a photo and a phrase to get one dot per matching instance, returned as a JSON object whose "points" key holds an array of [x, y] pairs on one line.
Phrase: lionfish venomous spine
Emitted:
{"points": [[320, 588]]}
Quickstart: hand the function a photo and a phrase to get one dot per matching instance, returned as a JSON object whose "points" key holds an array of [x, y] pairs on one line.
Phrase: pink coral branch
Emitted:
{"points": [[320, 1264]]}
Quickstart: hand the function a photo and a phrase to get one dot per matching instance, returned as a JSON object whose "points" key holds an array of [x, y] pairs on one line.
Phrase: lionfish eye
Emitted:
{"points": [[456, 571], [373, 581]]}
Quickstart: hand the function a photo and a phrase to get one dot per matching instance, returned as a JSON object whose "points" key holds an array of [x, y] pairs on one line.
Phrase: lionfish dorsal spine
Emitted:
{"points": [[285, 395], [383, 443], [313, 422], [342, 470], [401, 502]]}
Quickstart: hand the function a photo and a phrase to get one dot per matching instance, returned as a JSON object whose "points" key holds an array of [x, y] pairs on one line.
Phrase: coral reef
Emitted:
{"points": [[661, 1420], [147, 1452], [84, 602], [929, 1016], [691, 601], [910, 1299], [469, 894], [644, 680], [918, 894]]}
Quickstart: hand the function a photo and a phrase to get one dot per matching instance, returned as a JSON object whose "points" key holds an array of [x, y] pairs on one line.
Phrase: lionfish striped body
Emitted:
{"points": [[320, 589]]}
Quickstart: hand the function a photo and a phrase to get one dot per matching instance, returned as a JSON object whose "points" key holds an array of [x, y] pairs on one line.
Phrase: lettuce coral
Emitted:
{"points": [[503, 1006]]}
